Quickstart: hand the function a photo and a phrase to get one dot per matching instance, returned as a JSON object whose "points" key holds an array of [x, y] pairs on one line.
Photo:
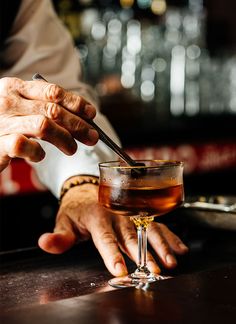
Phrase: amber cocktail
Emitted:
{"points": [[141, 192]]}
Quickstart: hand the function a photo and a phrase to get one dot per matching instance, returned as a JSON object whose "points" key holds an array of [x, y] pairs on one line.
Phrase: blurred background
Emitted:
{"points": [[165, 72]]}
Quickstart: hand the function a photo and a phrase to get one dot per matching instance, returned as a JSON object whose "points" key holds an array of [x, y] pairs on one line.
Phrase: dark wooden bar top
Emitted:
{"points": [[205, 297], [72, 288]]}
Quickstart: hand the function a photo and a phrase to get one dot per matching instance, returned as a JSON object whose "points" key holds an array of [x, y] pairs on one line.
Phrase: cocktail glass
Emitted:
{"points": [[150, 189]]}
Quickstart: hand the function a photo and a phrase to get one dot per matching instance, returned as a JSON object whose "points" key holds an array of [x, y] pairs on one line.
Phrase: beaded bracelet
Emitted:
{"points": [[78, 182]]}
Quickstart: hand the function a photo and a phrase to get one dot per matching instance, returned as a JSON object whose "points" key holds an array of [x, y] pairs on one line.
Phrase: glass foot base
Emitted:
{"points": [[128, 281]]}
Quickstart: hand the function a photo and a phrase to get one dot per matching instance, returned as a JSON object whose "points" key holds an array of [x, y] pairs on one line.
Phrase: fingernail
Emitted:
{"points": [[170, 259], [93, 135], [120, 269]]}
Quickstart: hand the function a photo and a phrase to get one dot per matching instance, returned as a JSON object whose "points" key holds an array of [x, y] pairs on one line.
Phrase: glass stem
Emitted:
{"points": [[141, 222], [142, 247]]}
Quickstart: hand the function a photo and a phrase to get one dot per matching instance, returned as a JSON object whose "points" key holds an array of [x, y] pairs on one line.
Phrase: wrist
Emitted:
{"points": [[77, 181]]}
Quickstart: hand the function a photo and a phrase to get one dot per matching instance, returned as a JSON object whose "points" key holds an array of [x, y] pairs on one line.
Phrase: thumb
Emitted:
{"points": [[61, 240]]}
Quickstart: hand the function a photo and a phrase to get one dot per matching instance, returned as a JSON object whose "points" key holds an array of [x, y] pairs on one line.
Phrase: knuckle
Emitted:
{"points": [[81, 102], [54, 92], [164, 246], [43, 125], [156, 232], [154, 229], [53, 111], [77, 124], [130, 238], [162, 243], [108, 238]]}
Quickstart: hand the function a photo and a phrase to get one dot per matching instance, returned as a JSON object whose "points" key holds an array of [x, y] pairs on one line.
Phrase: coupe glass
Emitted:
{"points": [[142, 192]]}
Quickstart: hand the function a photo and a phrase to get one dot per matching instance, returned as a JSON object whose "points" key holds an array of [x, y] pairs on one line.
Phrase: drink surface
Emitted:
{"points": [[150, 200]]}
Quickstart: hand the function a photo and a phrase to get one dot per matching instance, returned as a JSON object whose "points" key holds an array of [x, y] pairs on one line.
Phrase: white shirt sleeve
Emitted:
{"points": [[39, 42]]}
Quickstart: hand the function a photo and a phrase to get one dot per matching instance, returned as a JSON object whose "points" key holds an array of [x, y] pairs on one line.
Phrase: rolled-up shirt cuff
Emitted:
{"points": [[57, 167]]}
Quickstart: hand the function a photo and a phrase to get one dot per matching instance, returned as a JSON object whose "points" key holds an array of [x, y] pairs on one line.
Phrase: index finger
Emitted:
{"points": [[41, 90], [104, 239]]}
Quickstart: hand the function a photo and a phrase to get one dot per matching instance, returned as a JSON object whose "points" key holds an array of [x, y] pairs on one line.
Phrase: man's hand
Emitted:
{"points": [[37, 109], [80, 217]]}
